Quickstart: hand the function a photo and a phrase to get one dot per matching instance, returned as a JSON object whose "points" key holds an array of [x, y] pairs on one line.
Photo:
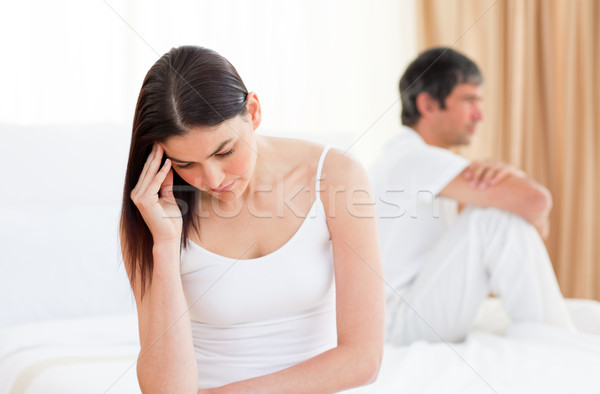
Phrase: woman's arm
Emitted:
{"points": [[359, 293], [167, 362]]}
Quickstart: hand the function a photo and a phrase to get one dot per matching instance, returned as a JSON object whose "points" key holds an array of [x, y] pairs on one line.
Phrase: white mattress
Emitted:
{"points": [[97, 355]]}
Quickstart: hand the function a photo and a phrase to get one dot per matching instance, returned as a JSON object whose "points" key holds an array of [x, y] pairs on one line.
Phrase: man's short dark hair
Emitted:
{"points": [[436, 71]]}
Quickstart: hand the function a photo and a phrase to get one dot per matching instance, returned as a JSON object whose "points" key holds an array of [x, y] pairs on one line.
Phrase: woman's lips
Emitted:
{"points": [[223, 189]]}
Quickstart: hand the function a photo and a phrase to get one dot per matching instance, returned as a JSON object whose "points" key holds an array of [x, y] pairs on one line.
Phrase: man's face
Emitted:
{"points": [[456, 124]]}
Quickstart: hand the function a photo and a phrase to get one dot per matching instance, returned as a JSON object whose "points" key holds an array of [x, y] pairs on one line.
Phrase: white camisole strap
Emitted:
{"points": [[319, 168]]}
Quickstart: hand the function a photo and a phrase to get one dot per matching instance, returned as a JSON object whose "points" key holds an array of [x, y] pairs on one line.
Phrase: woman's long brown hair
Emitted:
{"points": [[186, 88]]}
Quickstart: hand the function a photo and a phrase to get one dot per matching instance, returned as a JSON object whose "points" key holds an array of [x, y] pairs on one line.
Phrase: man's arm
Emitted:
{"points": [[512, 191]]}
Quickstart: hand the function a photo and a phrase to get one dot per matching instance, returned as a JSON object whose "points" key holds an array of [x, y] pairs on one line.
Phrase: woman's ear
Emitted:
{"points": [[253, 109]]}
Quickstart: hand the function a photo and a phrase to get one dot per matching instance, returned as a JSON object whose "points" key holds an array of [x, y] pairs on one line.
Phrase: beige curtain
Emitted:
{"points": [[541, 61]]}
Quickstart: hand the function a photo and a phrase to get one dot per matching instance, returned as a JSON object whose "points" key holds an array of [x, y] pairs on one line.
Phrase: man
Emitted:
{"points": [[441, 264]]}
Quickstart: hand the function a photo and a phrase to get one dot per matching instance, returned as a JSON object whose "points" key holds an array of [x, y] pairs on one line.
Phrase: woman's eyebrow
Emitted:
{"points": [[212, 154], [177, 160]]}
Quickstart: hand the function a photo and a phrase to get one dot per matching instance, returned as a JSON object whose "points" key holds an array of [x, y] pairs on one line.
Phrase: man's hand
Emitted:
{"points": [[489, 172], [491, 183]]}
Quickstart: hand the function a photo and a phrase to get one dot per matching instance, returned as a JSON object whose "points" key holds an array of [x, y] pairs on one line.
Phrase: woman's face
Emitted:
{"points": [[217, 160]]}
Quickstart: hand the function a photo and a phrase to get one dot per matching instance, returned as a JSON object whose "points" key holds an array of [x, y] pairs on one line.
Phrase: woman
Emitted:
{"points": [[233, 243]]}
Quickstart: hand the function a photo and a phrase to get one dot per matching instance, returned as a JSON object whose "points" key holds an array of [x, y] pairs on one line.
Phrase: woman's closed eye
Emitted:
{"points": [[188, 165], [182, 166], [224, 154]]}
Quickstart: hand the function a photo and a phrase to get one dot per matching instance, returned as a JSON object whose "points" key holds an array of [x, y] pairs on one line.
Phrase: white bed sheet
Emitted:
{"points": [[90, 355], [97, 355], [529, 359]]}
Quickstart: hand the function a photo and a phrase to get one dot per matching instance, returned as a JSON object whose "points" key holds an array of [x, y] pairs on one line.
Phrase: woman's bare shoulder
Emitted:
{"points": [[338, 167], [293, 153], [341, 167], [296, 146]]}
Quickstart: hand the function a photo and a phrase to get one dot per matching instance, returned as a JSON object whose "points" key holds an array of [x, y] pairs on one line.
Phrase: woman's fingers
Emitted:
{"points": [[161, 182], [142, 176], [155, 207], [146, 165], [151, 172], [167, 198], [143, 192], [148, 161]]}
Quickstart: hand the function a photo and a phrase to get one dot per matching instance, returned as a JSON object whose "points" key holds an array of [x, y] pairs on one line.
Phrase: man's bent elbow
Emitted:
{"points": [[535, 206], [542, 202]]}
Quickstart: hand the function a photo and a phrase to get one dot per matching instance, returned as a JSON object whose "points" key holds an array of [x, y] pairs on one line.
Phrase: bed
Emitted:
{"points": [[67, 318], [98, 355]]}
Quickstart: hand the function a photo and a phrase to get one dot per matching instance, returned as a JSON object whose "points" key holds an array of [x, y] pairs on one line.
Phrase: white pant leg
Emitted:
{"points": [[485, 250]]}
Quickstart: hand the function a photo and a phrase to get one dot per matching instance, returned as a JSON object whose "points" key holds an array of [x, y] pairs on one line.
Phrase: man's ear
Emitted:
{"points": [[253, 109], [426, 104]]}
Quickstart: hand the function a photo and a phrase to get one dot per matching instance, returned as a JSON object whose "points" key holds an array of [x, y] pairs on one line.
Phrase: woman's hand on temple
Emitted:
{"points": [[153, 197]]}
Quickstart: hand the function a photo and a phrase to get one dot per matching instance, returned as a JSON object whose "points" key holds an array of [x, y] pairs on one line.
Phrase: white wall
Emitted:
{"points": [[324, 68]]}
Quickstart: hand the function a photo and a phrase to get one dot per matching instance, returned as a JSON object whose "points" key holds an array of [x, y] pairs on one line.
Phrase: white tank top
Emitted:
{"points": [[258, 316]]}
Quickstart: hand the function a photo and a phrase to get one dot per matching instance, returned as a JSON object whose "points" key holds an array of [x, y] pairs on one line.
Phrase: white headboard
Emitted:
{"points": [[60, 200]]}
